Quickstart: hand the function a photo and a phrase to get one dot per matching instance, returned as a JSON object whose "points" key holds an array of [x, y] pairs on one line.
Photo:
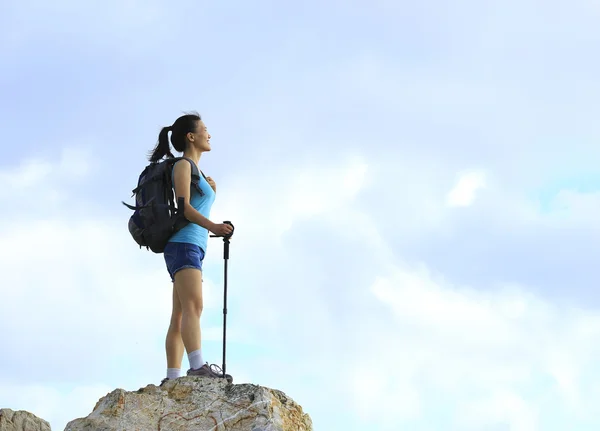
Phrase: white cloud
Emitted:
{"points": [[37, 183], [406, 345], [496, 355], [464, 191], [299, 193], [499, 355], [315, 190], [91, 271]]}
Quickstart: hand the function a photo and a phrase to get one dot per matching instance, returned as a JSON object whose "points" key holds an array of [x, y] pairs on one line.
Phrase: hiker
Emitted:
{"points": [[185, 249]]}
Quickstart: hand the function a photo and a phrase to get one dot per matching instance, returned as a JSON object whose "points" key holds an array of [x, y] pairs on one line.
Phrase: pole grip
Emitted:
{"points": [[225, 237]]}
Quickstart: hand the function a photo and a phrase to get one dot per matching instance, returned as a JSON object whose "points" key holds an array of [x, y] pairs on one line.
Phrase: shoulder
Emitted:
{"points": [[182, 167]]}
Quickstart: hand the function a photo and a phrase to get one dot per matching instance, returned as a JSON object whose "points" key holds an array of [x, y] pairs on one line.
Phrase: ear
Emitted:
{"points": [[190, 136]]}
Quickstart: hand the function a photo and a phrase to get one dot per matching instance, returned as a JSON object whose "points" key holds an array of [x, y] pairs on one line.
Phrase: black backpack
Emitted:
{"points": [[156, 217]]}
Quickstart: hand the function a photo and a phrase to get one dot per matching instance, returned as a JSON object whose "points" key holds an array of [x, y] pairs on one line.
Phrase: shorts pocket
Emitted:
{"points": [[194, 253], [171, 252]]}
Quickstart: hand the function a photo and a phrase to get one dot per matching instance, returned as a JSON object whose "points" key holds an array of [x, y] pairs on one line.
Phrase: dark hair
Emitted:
{"points": [[180, 128]]}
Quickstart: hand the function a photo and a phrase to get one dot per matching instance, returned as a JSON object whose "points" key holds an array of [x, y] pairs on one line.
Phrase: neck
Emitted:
{"points": [[193, 153]]}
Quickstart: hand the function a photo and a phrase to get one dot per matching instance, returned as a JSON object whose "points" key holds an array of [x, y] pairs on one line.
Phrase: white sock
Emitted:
{"points": [[173, 373], [195, 358]]}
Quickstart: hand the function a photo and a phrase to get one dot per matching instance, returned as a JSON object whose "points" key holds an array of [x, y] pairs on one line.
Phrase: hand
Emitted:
{"points": [[212, 184], [221, 229]]}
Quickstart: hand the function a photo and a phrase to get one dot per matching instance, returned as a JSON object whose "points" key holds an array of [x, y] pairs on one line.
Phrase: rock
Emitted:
{"points": [[195, 403], [21, 420]]}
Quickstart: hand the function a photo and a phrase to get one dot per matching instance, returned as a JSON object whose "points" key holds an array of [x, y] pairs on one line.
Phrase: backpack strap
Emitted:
{"points": [[138, 207], [195, 175], [195, 171]]}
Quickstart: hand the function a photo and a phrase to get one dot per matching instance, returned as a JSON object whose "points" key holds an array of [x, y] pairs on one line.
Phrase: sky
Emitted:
{"points": [[414, 188]]}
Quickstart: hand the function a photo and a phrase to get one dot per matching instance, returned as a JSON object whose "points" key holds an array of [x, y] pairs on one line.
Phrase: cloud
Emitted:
{"points": [[406, 342], [72, 164], [464, 191], [39, 182], [267, 209], [387, 329], [498, 358]]}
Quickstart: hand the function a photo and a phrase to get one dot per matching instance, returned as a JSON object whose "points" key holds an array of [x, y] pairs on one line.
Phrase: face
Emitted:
{"points": [[200, 138]]}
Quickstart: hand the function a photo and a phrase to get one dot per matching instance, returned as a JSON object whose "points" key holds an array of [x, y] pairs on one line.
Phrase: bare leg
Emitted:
{"points": [[174, 342], [188, 285]]}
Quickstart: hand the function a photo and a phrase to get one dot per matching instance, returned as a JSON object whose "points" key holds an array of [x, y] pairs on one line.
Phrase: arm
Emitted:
{"points": [[182, 177]]}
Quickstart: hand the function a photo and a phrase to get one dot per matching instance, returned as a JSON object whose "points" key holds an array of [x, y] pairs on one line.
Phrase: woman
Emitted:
{"points": [[185, 251]]}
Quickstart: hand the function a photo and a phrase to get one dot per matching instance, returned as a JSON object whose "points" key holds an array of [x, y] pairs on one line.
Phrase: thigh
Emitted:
{"points": [[188, 288]]}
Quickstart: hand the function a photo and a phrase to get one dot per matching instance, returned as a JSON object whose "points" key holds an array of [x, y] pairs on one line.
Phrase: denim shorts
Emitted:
{"points": [[180, 255]]}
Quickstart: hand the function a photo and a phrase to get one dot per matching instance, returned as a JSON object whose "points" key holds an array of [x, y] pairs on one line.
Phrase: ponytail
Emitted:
{"points": [[162, 147], [180, 128]]}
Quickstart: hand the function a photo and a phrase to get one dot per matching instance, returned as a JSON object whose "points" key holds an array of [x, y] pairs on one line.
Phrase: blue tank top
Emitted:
{"points": [[193, 233]]}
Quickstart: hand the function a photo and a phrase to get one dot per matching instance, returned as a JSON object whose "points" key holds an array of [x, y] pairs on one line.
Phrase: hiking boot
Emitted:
{"points": [[212, 370], [165, 380]]}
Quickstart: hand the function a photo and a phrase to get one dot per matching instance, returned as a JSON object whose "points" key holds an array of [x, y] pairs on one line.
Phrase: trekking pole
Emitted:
{"points": [[226, 239]]}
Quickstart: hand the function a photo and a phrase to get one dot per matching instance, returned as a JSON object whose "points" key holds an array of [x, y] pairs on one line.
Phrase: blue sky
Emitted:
{"points": [[414, 187]]}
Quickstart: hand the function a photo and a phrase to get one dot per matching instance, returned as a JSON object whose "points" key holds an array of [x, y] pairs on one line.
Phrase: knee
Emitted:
{"points": [[176, 322], [193, 307]]}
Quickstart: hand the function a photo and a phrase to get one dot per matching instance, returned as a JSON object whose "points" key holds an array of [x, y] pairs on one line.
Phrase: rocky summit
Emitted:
{"points": [[21, 421], [195, 403]]}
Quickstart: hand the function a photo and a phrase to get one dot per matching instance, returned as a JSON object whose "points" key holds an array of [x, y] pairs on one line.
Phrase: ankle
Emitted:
{"points": [[173, 373], [195, 358]]}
